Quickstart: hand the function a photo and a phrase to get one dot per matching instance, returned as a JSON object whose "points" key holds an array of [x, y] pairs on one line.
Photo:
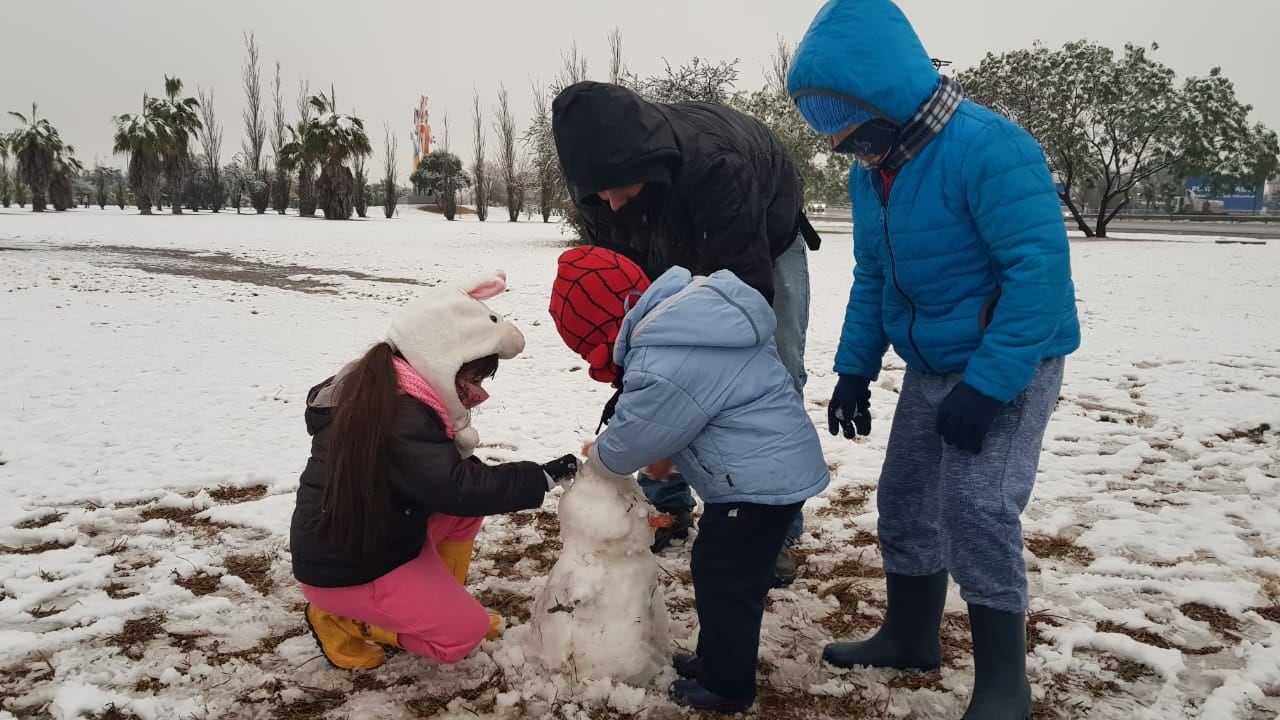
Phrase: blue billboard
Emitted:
{"points": [[1243, 200]]}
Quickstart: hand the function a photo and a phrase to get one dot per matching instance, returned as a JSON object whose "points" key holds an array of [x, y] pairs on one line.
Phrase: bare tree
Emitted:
{"points": [[211, 143], [389, 150], [540, 143], [280, 192], [505, 126], [306, 163], [478, 168], [780, 66], [449, 183], [255, 127], [617, 70]]}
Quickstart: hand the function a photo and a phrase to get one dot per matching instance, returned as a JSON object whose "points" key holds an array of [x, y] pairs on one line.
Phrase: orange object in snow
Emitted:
{"points": [[661, 521]]}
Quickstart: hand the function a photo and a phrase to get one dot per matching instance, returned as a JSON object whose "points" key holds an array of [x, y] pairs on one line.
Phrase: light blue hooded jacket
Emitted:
{"points": [[964, 264], [703, 385]]}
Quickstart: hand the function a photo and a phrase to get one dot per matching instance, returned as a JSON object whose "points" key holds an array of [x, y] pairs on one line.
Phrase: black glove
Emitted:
{"points": [[560, 470], [965, 417], [850, 407]]}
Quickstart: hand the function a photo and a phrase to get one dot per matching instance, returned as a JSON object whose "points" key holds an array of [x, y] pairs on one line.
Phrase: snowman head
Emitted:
{"points": [[447, 327]]}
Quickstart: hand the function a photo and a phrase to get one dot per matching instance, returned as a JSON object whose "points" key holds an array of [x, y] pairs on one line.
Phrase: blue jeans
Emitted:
{"points": [[791, 306]]}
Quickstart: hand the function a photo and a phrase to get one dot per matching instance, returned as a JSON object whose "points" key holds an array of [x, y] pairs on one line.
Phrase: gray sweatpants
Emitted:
{"points": [[943, 508]]}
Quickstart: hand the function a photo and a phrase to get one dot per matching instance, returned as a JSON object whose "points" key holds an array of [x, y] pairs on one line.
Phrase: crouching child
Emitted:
{"points": [[392, 498], [700, 384]]}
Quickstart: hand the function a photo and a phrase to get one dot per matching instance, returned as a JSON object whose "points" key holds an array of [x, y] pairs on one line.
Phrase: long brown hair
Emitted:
{"points": [[363, 420], [362, 423]]}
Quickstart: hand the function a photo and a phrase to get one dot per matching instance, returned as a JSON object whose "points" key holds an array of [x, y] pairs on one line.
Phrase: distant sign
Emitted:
{"points": [[1243, 200]]}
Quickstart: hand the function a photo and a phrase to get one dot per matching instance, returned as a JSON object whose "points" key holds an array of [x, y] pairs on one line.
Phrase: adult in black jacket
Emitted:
{"points": [[392, 497], [700, 186]]}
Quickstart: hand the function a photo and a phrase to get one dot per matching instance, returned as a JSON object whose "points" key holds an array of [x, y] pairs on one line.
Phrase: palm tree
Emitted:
{"points": [[35, 145], [332, 139], [181, 121], [66, 168], [293, 156], [5, 193], [144, 139]]}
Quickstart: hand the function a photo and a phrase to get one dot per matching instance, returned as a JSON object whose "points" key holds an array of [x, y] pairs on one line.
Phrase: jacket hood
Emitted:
{"points": [[867, 51], [608, 136], [680, 310]]}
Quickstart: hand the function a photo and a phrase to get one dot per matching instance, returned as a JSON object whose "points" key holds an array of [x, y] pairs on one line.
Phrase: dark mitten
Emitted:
{"points": [[561, 470], [965, 417], [850, 408]]}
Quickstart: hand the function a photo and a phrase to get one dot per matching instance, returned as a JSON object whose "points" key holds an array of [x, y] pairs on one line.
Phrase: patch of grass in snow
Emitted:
{"points": [[520, 519], [1215, 618], [118, 591], [40, 612], [39, 521], [136, 633], [784, 703], [1257, 435], [957, 642], [1058, 548], [181, 516], [856, 566], [199, 584], [480, 698], [547, 523], [111, 712], [317, 705], [34, 549], [228, 495], [1035, 636], [253, 569], [849, 500], [513, 606]]}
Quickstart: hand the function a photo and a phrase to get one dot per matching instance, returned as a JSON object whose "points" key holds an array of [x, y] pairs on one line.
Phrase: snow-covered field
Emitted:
{"points": [[152, 379]]}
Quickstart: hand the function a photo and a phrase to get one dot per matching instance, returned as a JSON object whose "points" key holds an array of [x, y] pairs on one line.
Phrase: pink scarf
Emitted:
{"points": [[417, 388]]}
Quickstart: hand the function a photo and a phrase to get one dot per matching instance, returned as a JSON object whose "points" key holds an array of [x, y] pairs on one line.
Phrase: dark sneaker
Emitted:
{"points": [[692, 694], [784, 569], [679, 530]]}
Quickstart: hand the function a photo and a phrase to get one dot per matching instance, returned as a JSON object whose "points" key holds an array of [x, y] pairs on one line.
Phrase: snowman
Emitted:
{"points": [[602, 614]]}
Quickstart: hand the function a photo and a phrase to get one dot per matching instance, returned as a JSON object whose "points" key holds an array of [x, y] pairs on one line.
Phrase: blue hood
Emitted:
{"points": [[679, 310], [867, 51]]}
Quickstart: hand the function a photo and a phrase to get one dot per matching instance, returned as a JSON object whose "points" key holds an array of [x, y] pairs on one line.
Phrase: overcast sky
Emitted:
{"points": [[84, 61]]}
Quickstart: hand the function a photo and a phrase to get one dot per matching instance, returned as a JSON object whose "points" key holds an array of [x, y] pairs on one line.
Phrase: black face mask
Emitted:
{"points": [[871, 142], [641, 209]]}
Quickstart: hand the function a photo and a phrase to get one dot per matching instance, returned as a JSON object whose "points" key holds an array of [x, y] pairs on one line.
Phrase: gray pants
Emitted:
{"points": [[946, 509], [791, 306]]}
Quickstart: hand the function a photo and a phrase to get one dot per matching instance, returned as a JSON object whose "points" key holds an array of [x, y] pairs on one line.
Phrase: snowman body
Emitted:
{"points": [[602, 613]]}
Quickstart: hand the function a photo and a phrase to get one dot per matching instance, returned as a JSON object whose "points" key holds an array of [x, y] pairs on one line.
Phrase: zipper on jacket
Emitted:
{"points": [[878, 184]]}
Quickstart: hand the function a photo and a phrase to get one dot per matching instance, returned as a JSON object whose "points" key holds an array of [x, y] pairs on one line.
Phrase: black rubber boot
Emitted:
{"points": [[662, 537], [1000, 687], [908, 639]]}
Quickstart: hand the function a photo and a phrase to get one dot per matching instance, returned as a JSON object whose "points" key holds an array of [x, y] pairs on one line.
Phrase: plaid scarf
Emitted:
{"points": [[925, 125]]}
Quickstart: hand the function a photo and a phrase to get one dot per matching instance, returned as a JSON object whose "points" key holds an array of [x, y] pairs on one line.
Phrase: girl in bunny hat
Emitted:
{"points": [[392, 496]]}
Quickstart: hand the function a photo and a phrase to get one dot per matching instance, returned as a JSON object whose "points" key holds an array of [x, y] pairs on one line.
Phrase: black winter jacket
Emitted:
{"points": [[721, 193], [423, 474]]}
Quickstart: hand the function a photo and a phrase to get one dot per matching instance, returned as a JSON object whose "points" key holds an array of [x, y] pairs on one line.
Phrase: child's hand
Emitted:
{"points": [[660, 470], [586, 448]]}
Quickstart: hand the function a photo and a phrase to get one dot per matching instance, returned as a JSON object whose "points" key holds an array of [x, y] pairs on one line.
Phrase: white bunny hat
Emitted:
{"points": [[447, 327]]}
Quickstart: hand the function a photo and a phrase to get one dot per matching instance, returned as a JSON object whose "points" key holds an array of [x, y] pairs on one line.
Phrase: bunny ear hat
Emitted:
{"points": [[447, 327]]}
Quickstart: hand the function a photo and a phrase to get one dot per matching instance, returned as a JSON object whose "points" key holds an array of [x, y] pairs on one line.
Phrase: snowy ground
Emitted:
{"points": [[151, 386]]}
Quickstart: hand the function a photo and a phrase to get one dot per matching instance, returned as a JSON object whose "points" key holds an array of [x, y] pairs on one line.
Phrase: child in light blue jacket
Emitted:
{"points": [[699, 383]]}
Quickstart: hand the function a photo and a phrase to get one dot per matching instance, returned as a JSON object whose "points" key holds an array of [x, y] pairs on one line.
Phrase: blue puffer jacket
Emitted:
{"points": [[964, 264], [703, 385]]}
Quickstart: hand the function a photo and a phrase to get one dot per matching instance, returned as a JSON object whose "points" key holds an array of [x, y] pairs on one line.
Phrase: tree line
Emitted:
{"points": [[1118, 130]]}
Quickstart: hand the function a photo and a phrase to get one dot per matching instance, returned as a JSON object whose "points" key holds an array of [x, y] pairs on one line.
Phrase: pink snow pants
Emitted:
{"points": [[421, 601]]}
